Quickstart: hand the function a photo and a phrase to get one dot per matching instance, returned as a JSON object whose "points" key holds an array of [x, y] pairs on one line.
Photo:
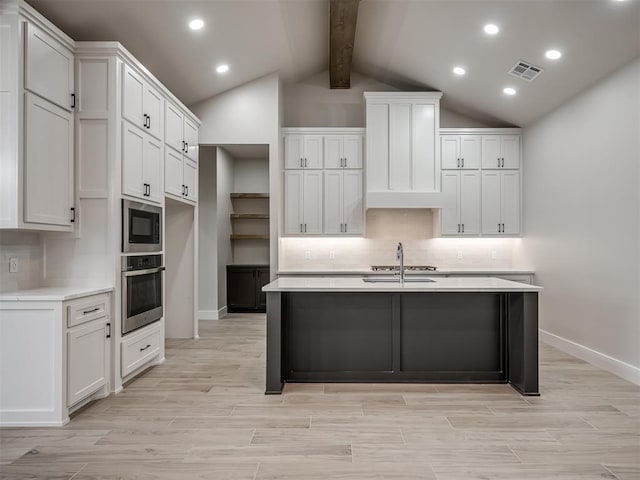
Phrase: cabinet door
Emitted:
{"points": [[511, 151], [86, 360], [470, 151], [470, 202], [173, 133], [424, 173], [190, 175], [133, 148], [293, 151], [333, 201], [152, 169], [312, 201], [450, 151], [450, 214], [48, 68], [491, 217], [133, 93], [48, 163], [293, 192], [263, 277], [153, 104], [510, 201], [491, 151], [352, 151], [333, 151], [352, 201], [400, 147], [191, 137], [241, 288], [173, 180], [313, 151]]}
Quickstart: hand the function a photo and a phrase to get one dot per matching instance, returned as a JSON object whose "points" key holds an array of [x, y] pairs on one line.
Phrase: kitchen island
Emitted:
{"points": [[441, 330]]}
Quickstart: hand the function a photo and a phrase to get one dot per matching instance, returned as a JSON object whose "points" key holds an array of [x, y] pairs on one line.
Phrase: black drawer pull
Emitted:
{"points": [[86, 312], [144, 348]]}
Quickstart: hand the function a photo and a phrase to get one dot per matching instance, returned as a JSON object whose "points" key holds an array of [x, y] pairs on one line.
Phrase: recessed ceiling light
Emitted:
{"points": [[491, 29], [509, 91], [196, 24], [459, 70], [553, 54], [222, 68]]}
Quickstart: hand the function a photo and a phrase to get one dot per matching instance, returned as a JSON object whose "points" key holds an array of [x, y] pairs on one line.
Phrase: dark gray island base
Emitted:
{"points": [[421, 337]]}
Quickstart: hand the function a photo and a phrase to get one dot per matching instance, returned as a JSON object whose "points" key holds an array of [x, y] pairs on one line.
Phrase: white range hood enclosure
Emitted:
{"points": [[403, 151]]}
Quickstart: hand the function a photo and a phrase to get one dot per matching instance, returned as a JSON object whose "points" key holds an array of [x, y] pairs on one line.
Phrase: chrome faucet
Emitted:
{"points": [[400, 256]]}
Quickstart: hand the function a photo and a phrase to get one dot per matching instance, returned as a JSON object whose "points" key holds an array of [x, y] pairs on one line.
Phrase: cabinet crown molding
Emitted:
{"points": [[32, 15], [480, 131], [392, 97], [323, 130]]}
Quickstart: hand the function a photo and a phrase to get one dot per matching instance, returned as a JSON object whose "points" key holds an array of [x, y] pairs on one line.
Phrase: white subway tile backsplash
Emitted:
{"points": [[27, 248]]}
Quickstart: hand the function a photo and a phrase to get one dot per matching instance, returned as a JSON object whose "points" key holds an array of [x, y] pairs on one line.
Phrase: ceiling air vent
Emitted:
{"points": [[526, 71]]}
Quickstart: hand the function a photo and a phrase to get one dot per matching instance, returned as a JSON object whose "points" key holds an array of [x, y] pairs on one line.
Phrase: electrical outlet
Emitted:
{"points": [[307, 254], [494, 255], [332, 255], [459, 254], [13, 265]]}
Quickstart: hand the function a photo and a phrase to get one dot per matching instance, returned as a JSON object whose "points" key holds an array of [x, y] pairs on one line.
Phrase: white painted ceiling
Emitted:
{"points": [[410, 44], [247, 151]]}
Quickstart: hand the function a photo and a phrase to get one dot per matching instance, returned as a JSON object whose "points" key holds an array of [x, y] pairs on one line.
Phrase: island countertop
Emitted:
{"points": [[357, 284]]}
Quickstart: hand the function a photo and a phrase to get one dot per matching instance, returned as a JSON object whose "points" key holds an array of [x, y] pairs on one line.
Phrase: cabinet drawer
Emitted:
{"points": [[139, 349], [87, 309]]}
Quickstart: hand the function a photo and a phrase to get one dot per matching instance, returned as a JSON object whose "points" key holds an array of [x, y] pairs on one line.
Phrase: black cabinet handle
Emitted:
{"points": [[183, 145], [462, 162], [86, 312], [144, 348], [182, 189], [73, 100], [186, 147], [148, 121], [147, 190], [108, 330], [187, 187], [73, 215], [463, 225], [144, 124]]}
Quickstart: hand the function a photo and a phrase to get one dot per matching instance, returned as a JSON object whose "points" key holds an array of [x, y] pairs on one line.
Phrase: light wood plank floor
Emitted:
{"points": [[203, 415]]}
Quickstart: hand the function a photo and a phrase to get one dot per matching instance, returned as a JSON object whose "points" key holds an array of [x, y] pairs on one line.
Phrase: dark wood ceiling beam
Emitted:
{"points": [[343, 15]]}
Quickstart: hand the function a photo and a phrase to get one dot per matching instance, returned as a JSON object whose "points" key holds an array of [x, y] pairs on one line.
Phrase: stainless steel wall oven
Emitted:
{"points": [[141, 291]]}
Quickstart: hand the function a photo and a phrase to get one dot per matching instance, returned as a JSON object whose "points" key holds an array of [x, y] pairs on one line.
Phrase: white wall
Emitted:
{"points": [[207, 231], [27, 247], [582, 220], [251, 175], [224, 186], [311, 103]]}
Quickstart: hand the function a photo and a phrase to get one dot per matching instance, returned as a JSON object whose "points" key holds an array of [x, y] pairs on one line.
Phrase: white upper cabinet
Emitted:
{"points": [[303, 202], [181, 159], [501, 202], [343, 202], [48, 163], [342, 151], [142, 104], [460, 213], [48, 68], [141, 165], [500, 151], [460, 152], [303, 151]]}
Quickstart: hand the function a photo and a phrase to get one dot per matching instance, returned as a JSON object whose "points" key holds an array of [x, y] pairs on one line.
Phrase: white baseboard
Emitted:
{"points": [[212, 314], [613, 365]]}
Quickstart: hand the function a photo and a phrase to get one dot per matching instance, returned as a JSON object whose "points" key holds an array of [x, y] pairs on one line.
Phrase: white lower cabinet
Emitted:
{"points": [[343, 202], [461, 206], [86, 359], [302, 202], [139, 348], [141, 164], [501, 202]]}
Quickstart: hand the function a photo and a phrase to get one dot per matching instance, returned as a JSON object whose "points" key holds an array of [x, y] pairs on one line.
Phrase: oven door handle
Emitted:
{"points": [[133, 273]]}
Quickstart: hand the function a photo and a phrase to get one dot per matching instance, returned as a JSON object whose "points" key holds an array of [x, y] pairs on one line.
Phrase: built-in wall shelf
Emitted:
{"points": [[249, 195], [253, 216], [248, 236]]}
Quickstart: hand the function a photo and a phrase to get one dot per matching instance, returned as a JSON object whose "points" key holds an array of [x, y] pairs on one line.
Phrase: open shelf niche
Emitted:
{"points": [[250, 216]]}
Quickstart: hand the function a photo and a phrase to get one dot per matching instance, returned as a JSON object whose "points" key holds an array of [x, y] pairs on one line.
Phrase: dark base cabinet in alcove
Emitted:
{"points": [[244, 288]]}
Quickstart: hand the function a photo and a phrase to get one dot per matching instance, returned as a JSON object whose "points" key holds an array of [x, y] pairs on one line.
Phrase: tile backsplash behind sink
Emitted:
{"points": [[384, 229]]}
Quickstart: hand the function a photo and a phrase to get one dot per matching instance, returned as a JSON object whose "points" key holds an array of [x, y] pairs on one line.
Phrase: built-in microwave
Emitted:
{"points": [[141, 227]]}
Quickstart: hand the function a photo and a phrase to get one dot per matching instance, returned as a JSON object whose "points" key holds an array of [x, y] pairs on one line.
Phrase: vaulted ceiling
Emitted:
{"points": [[410, 43]]}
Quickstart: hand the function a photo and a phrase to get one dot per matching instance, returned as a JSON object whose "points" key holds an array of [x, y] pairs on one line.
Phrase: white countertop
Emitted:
{"points": [[440, 271], [355, 284], [52, 293]]}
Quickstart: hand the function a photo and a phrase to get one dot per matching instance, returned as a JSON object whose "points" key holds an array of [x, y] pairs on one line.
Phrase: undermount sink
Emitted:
{"points": [[411, 279]]}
